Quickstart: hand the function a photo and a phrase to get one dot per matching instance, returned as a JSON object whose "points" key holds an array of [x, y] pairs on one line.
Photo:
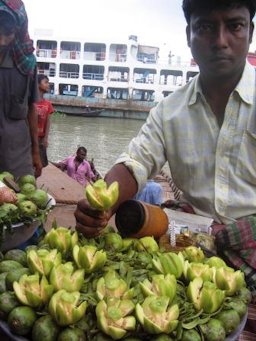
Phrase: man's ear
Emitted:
{"points": [[188, 35], [251, 31]]}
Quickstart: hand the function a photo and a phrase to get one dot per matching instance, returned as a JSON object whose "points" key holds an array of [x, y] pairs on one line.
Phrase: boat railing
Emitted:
{"points": [[146, 60], [66, 74], [171, 80], [97, 56], [119, 78], [118, 57], [66, 54], [93, 76], [46, 53], [49, 73]]}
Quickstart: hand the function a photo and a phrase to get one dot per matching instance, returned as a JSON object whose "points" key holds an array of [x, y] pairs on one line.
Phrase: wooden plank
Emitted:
{"points": [[63, 188]]}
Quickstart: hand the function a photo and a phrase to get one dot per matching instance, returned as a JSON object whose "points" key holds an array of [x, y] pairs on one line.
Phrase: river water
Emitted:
{"points": [[104, 138]]}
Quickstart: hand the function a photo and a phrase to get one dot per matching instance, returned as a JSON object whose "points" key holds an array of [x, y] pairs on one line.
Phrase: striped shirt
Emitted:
{"points": [[214, 167]]}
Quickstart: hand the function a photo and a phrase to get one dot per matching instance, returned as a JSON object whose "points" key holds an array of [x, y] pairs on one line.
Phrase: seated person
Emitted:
{"points": [[152, 193], [77, 167]]}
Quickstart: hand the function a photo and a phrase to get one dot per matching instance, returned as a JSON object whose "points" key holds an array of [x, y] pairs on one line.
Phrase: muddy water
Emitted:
{"points": [[104, 138]]}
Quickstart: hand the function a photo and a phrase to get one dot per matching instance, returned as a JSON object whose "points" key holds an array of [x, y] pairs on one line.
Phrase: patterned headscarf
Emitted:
{"points": [[23, 46]]}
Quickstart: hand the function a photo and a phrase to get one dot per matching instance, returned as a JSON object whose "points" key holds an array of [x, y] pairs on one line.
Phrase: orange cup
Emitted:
{"points": [[138, 219]]}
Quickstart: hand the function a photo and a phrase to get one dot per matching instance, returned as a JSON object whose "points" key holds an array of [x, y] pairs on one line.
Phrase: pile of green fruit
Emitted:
{"points": [[112, 288], [25, 204]]}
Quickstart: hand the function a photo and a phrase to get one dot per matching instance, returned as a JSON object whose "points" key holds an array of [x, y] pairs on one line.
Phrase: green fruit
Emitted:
{"points": [[40, 198], [21, 197], [27, 179], [101, 337], [17, 255], [2, 282], [15, 275], [245, 295], [213, 330], [31, 247], [6, 174], [238, 305], [9, 265], [21, 320], [45, 329], [74, 334], [9, 212], [28, 189], [190, 335], [8, 302], [28, 208], [230, 319]]}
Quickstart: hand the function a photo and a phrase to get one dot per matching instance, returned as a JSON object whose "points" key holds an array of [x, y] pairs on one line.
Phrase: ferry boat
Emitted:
{"points": [[113, 75]]}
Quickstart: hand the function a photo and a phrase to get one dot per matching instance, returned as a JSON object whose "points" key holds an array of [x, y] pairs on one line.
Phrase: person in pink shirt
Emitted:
{"points": [[77, 167]]}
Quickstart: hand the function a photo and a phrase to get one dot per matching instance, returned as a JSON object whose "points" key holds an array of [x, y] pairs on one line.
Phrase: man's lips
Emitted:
{"points": [[220, 59]]}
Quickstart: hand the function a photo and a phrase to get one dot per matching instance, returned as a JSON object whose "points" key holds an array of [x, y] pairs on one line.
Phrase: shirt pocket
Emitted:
{"points": [[18, 109], [246, 161]]}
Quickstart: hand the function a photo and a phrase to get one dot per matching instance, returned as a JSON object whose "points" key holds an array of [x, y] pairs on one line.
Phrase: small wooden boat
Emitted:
{"points": [[80, 111]]}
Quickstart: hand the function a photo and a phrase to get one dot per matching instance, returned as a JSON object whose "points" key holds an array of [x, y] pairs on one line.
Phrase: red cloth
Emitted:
{"points": [[44, 108]]}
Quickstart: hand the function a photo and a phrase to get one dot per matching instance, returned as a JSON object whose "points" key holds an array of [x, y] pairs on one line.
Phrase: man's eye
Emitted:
{"points": [[204, 28], [236, 26]]}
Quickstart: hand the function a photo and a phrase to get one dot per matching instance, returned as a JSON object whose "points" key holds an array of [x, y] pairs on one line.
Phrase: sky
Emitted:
{"points": [[155, 22]]}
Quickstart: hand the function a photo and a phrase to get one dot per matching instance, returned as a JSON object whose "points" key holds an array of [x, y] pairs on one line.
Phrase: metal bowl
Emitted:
{"points": [[21, 232]]}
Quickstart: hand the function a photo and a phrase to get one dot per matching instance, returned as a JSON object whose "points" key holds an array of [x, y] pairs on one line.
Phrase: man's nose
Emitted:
{"points": [[221, 37]]}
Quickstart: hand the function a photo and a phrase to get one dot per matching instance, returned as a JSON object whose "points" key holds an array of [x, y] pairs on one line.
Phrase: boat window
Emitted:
{"points": [[46, 48], [68, 89], [95, 72], [94, 51], [91, 91], [69, 71], [117, 93]]}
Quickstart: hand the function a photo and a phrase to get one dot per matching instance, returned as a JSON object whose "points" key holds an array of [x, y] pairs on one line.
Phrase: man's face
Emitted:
{"points": [[81, 155], [44, 85], [219, 40]]}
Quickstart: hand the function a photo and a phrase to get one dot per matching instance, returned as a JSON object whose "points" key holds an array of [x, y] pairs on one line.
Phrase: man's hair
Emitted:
{"points": [[40, 77], [190, 6], [82, 149]]}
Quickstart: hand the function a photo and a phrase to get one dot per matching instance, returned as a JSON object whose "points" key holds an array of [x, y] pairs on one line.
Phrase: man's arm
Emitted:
{"points": [[47, 129], [90, 222], [33, 127], [127, 184]]}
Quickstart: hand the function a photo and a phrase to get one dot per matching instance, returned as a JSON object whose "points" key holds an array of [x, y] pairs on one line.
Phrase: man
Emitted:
{"points": [[77, 167], [205, 130], [19, 153]]}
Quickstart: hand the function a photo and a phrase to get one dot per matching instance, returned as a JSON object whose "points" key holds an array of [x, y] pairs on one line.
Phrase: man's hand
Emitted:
{"points": [[45, 142], [37, 164], [90, 222]]}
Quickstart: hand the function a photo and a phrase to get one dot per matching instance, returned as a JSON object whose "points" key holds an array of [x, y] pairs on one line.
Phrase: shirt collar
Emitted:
{"points": [[244, 88]]}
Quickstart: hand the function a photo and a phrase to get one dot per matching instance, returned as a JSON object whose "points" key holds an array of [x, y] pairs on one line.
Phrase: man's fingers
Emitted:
{"points": [[89, 232]]}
